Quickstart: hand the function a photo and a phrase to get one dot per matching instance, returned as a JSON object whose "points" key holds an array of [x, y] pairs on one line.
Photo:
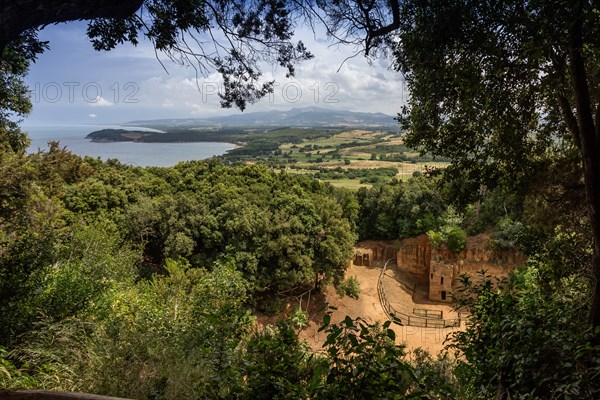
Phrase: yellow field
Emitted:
{"points": [[352, 184]]}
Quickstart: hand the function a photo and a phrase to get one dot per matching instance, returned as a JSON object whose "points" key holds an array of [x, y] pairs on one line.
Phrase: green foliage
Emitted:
{"points": [[456, 239], [92, 261], [174, 336], [257, 32], [278, 365], [13, 377], [523, 339], [450, 233], [14, 94], [299, 319], [349, 287], [507, 235], [439, 375], [366, 175], [435, 238], [497, 123], [399, 209], [496, 205], [271, 305], [364, 362], [274, 226]]}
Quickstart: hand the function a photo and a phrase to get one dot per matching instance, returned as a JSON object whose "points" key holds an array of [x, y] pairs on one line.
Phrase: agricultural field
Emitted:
{"points": [[345, 158], [351, 158]]}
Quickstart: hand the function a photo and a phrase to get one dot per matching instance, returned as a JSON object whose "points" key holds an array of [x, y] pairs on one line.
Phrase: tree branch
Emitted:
{"points": [[570, 119], [17, 17], [375, 33]]}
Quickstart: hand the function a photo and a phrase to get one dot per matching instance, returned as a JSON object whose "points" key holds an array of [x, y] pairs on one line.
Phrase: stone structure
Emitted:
{"points": [[374, 251], [413, 258], [441, 279], [440, 269], [362, 257]]}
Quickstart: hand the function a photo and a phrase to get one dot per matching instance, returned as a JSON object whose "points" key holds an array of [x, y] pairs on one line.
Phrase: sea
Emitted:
{"points": [[139, 154]]}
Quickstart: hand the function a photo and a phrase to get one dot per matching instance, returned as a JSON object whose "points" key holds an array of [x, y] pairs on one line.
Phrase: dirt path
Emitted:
{"points": [[369, 308]]}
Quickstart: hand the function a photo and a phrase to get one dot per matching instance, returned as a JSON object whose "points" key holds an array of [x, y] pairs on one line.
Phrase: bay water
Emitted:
{"points": [[131, 153]]}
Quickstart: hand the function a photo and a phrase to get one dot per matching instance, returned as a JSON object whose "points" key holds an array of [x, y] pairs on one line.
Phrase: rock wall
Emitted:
{"points": [[414, 256], [370, 251], [440, 268]]}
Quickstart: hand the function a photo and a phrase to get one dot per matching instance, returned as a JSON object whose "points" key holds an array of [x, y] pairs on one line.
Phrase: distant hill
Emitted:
{"points": [[296, 117]]}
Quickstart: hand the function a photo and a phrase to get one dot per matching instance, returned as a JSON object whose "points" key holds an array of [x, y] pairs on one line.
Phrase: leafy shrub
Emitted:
{"points": [[11, 376], [450, 232], [349, 287], [364, 362], [456, 239], [271, 305], [435, 238], [507, 235], [299, 319], [527, 337]]}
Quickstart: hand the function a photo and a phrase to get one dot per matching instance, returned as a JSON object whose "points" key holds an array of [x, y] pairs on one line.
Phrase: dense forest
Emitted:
{"points": [[147, 282]]}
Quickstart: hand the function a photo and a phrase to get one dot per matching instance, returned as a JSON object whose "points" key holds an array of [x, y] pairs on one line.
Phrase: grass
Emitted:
{"points": [[352, 184], [361, 145]]}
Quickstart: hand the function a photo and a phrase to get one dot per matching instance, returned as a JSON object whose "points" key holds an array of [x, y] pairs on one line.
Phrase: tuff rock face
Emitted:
{"points": [[440, 268]]}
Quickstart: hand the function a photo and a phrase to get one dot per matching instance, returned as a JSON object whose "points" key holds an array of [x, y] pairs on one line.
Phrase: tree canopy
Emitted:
{"points": [[139, 282], [234, 38], [504, 89]]}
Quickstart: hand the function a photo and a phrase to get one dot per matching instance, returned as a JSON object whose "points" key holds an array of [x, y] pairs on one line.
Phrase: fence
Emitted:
{"points": [[299, 294], [424, 312], [434, 320]]}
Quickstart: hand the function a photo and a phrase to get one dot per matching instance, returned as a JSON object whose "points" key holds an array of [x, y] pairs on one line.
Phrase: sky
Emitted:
{"points": [[71, 83]]}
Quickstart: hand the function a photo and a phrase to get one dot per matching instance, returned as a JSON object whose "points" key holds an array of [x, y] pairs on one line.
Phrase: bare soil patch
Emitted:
{"points": [[369, 307]]}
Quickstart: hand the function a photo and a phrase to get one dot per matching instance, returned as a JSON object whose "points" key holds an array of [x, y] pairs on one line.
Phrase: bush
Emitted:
{"points": [[456, 239], [452, 236], [349, 287], [507, 235], [272, 305], [435, 238]]}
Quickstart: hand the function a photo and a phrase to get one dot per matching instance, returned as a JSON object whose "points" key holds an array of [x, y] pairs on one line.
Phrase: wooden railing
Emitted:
{"points": [[405, 318], [427, 313], [14, 394]]}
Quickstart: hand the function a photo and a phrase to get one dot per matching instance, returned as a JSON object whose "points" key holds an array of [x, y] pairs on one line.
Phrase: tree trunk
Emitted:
{"points": [[590, 151], [17, 17]]}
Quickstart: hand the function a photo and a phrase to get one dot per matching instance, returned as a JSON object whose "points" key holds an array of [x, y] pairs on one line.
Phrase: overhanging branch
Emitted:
{"points": [[17, 17]]}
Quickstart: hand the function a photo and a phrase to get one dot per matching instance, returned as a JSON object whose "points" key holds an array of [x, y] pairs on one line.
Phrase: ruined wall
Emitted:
{"points": [[413, 257], [427, 265], [368, 252], [363, 257], [476, 256], [418, 261]]}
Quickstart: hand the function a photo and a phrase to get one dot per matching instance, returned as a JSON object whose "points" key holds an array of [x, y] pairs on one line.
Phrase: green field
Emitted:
{"points": [[359, 156]]}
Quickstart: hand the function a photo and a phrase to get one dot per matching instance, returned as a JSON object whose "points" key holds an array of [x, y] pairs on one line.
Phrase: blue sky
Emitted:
{"points": [[72, 84]]}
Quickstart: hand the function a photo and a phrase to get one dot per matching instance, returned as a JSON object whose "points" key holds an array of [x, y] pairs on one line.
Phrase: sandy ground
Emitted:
{"points": [[368, 307]]}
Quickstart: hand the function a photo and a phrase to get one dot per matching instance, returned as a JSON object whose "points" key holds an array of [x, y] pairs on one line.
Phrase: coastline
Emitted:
{"points": [[141, 135], [144, 154]]}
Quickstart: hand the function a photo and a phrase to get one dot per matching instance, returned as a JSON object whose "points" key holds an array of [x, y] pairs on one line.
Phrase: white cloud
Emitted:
{"points": [[330, 80], [100, 102], [92, 115]]}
